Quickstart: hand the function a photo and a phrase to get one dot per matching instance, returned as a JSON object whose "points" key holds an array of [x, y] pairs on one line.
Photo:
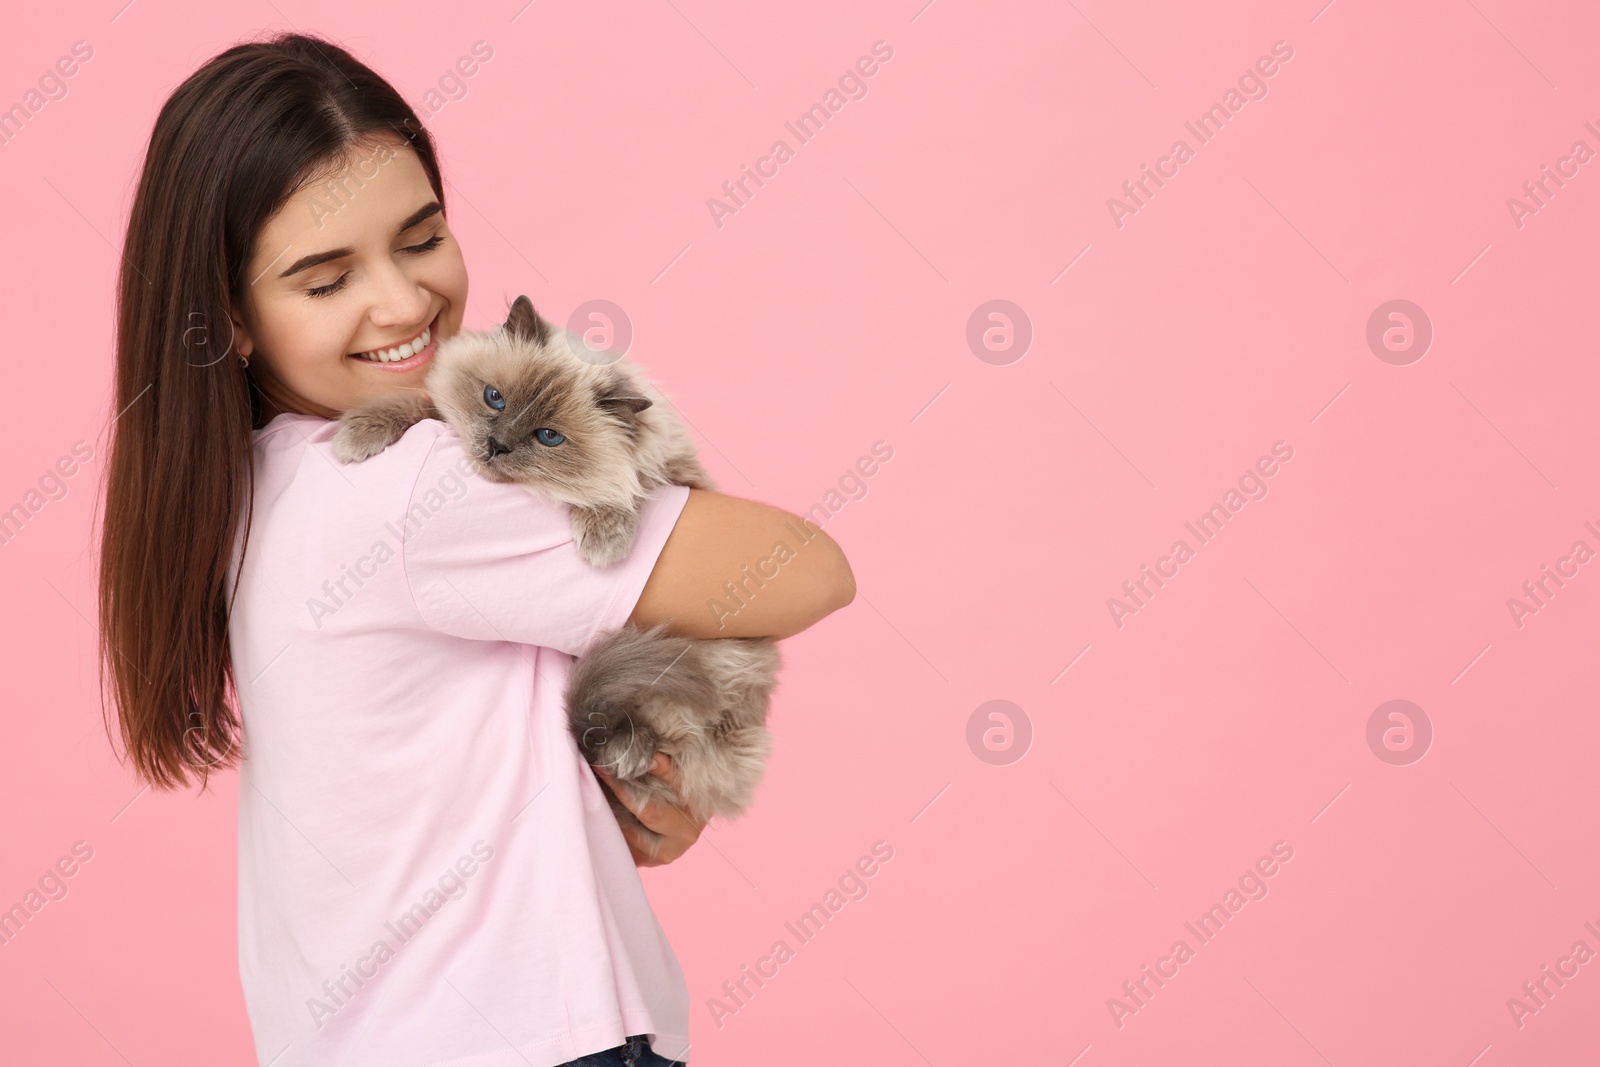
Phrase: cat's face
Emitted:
{"points": [[530, 411]]}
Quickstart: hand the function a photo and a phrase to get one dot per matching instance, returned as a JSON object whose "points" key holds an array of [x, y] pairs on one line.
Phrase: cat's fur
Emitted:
{"points": [[622, 437], [636, 691]]}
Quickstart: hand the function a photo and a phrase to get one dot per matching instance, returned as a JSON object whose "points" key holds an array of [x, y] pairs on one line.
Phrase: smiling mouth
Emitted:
{"points": [[407, 352]]}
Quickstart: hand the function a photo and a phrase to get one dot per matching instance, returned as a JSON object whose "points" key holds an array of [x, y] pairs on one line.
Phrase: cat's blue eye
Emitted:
{"points": [[548, 437], [492, 397]]}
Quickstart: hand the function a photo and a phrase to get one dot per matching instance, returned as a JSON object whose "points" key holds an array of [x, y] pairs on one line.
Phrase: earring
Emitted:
{"points": [[244, 360]]}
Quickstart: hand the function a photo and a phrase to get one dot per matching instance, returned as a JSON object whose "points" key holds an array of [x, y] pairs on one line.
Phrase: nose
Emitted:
{"points": [[400, 300], [496, 448]]}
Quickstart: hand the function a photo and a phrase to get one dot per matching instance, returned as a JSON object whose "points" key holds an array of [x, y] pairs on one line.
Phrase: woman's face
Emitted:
{"points": [[350, 266]]}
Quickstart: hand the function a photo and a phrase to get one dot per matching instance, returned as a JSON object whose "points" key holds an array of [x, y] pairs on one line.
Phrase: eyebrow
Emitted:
{"points": [[316, 259]]}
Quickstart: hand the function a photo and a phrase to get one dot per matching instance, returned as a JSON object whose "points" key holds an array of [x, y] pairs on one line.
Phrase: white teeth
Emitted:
{"points": [[405, 351]]}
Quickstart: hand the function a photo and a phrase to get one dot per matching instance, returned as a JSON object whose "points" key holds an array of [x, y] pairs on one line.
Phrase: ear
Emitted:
{"points": [[524, 322], [239, 340], [622, 397]]}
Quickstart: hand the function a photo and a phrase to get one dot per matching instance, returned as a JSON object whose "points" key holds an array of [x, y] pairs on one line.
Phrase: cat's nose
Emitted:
{"points": [[496, 448]]}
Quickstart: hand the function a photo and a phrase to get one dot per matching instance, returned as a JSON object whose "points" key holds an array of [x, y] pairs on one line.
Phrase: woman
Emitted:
{"points": [[429, 872]]}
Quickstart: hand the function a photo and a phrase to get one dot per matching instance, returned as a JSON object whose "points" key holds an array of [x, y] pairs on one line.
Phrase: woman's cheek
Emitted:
{"points": [[450, 277]]}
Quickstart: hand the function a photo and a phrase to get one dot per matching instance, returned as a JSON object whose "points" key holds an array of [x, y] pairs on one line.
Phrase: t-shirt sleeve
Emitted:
{"points": [[498, 562]]}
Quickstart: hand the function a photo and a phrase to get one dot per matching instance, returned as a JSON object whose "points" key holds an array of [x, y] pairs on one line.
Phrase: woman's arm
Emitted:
{"points": [[738, 568]]}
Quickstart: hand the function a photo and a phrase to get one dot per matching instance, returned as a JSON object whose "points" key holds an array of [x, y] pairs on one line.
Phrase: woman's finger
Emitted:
{"points": [[660, 840], [671, 819], [648, 810], [636, 848], [671, 822], [620, 791], [663, 818], [662, 767]]}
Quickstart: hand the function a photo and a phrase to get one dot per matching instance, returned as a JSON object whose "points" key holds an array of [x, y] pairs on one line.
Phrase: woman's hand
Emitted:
{"points": [[668, 820]]}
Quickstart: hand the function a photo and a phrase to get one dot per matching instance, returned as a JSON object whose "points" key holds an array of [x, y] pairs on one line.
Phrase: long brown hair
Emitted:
{"points": [[231, 145]]}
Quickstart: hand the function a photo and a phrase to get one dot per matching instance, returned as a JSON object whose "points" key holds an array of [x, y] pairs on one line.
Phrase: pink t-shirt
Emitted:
{"points": [[429, 873]]}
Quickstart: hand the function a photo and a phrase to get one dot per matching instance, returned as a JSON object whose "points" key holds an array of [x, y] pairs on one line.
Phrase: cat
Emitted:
{"points": [[534, 406]]}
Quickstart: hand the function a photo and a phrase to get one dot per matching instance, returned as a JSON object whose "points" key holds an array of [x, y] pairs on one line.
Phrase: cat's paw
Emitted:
{"points": [[605, 534], [687, 470], [365, 431], [615, 743], [361, 437]]}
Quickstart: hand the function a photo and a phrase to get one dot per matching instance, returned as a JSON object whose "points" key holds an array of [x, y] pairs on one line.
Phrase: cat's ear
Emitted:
{"points": [[524, 322], [621, 396]]}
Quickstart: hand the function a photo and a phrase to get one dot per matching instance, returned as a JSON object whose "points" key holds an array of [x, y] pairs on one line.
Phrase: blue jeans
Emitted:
{"points": [[636, 1053]]}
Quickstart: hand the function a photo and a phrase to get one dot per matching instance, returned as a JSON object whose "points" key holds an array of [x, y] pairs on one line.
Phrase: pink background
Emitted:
{"points": [[830, 313]]}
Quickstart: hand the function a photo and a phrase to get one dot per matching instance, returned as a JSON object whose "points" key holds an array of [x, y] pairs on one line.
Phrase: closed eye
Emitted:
{"points": [[416, 250]]}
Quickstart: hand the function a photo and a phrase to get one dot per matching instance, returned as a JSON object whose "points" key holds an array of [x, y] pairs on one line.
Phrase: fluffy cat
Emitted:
{"points": [[533, 407]]}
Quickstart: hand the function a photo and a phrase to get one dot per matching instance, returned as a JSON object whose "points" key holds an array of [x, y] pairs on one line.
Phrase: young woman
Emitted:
{"points": [[429, 873]]}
